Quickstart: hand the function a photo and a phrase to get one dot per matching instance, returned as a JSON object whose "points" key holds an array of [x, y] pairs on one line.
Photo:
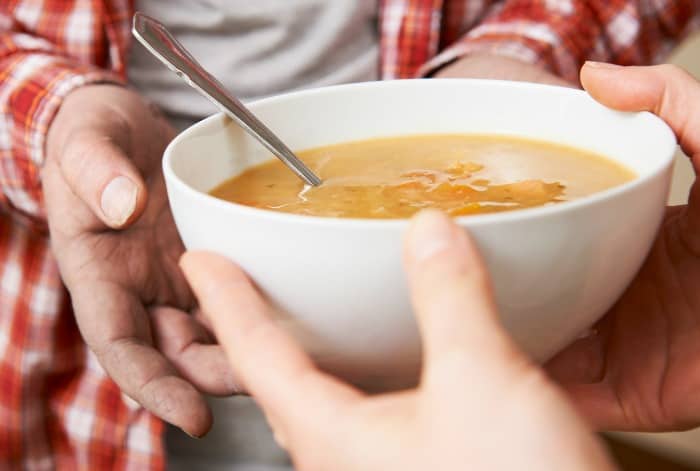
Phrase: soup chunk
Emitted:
{"points": [[393, 178]]}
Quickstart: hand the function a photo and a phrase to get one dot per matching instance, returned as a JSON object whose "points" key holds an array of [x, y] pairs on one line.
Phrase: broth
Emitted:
{"points": [[391, 178]]}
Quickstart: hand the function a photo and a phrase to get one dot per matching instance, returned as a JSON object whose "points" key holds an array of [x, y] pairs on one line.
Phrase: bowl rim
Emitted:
{"points": [[172, 178]]}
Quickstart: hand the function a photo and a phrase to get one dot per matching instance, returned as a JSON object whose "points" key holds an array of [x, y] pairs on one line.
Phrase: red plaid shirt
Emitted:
{"points": [[57, 407]]}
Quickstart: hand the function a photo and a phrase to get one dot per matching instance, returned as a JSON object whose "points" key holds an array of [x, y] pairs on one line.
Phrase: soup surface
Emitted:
{"points": [[395, 177]]}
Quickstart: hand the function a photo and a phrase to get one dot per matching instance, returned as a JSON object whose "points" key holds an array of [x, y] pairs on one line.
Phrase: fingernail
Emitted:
{"points": [[431, 232], [119, 200], [602, 65], [191, 436]]}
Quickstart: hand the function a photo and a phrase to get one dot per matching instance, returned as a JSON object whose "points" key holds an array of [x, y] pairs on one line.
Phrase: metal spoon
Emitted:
{"points": [[158, 40]]}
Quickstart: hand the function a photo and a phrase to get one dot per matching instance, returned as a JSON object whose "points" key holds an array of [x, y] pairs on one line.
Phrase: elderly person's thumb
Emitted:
{"points": [[94, 158]]}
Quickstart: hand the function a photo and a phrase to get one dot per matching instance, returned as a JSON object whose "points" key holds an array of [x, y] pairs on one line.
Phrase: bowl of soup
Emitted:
{"points": [[562, 195]]}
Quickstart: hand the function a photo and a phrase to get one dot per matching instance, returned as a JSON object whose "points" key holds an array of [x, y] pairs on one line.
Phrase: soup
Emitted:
{"points": [[393, 178]]}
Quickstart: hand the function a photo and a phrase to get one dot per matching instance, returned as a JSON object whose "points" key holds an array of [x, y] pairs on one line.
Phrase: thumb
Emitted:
{"points": [[665, 90], [451, 294], [100, 173]]}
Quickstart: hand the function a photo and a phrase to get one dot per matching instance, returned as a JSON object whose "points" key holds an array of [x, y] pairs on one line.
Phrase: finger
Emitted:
{"points": [[581, 362], [192, 352], [116, 327], [452, 297], [101, 174], [202, 319], [599, 405], [297, 397], [667, 91]]}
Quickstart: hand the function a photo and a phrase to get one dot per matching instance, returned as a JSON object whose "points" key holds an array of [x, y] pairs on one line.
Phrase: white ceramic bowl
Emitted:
{"points": [[339, 283]]}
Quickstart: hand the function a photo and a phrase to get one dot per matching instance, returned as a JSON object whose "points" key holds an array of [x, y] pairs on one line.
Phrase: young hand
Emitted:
{"points": [[641, 368], [481, 404]]}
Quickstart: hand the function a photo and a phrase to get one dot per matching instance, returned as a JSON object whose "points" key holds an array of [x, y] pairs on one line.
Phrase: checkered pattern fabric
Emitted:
{"points": [[58, 410]]}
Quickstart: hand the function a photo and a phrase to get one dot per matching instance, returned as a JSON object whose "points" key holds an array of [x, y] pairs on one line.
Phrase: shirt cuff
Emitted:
{"points": [[511, 49], [38, 84], [34, 86], [527, 46]]}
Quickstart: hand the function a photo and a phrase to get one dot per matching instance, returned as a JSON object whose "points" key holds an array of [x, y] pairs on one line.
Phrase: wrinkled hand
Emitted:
{"points": [[480, 405], [117, 250], [641, 368], [488, 66]]}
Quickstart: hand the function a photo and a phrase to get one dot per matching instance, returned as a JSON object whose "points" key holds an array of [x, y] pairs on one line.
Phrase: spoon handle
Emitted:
{"points": [[158, 40]]}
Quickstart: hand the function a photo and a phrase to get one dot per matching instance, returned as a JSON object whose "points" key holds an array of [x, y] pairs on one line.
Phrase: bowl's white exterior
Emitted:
{"points": [[339, 283]]}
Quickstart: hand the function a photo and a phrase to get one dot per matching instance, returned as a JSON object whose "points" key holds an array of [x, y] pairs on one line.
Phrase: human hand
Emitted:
{"points": [[117, 249], [640, 370], [491, 66], [481, 403]]}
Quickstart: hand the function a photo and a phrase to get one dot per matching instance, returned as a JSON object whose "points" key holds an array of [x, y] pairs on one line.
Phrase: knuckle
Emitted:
{"points": [[472, 282], [121, 361], [260, 333], [80, 151], [672, 70], [218, 290], [676, 81], [477, 276], [466, 289], [156, 398]]}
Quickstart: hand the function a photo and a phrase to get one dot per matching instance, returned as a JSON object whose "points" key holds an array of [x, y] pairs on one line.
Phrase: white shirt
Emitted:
{"points": [[258, 48]]}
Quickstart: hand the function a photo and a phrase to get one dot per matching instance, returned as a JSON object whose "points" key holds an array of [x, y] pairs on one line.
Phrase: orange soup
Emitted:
{"points": [[393, 178]]}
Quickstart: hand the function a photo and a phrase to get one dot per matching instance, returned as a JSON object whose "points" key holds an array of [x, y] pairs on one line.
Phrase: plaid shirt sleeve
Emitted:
{"points": [[58, 409], [37, 70], [562, 35]]}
